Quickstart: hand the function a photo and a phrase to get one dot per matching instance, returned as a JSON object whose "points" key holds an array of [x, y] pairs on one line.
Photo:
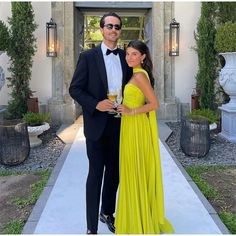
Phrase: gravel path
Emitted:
{"points": [[44, 156], [222, 152]]}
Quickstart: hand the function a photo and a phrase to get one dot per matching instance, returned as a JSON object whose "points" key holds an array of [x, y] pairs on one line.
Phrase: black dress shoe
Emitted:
{"points": [[91, 232], [109, 220]]}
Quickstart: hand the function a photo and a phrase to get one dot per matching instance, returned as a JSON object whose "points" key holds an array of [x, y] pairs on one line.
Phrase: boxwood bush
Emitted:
{"points": [[225, 40]]}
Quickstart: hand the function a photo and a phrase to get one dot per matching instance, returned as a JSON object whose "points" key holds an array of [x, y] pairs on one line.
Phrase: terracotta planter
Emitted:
{"points": [[33, 105]]}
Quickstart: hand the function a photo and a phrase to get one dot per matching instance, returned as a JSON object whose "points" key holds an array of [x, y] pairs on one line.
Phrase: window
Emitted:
{"points": [[132, 28]]}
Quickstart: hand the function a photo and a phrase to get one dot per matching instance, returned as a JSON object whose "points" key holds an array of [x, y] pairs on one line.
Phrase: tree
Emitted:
{"points": [[226, 11], [205, 38], [21, 48]]}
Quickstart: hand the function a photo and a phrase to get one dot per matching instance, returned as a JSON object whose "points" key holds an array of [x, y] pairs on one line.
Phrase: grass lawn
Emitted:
{"points": [[18, 202], [217, 183]]}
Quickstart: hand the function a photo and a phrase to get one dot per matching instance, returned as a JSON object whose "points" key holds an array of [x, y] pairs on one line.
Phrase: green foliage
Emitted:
{"points": [[229, 219], [206, 189], [36, 188], [203, 113], [35, 119], [205, 38], [225, 12], [13, 227], [16, 226], [4, 36], [21, 49], [226, 38]]}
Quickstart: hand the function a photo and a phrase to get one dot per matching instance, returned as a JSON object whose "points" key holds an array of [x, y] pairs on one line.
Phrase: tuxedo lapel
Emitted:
{"points": [[101, 66]]}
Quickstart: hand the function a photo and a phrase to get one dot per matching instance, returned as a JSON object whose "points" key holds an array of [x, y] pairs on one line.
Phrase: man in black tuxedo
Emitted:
{"points": [[98, 70]]}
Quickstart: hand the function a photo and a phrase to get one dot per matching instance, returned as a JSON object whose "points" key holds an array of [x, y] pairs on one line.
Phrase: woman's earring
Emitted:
{"points": [[141, 62]]}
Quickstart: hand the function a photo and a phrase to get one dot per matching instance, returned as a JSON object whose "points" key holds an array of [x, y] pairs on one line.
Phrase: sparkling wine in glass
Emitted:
{"points": [[112, 95], [119, 99]]}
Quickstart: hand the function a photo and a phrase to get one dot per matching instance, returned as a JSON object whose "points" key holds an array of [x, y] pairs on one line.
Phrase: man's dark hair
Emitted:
{"points": [[102, 21]]}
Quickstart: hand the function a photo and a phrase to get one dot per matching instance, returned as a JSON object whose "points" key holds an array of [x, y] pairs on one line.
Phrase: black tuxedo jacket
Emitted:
{"points": [[89, 86]]}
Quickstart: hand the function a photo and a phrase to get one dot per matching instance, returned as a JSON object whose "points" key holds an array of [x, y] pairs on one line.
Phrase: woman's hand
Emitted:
{"points": [[124, 110]]}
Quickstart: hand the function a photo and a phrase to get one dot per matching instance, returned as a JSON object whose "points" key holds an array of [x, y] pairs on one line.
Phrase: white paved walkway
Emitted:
{"points": [[64, 212]]}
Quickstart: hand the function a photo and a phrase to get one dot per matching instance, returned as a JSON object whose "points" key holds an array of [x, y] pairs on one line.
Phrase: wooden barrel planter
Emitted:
{"points": [[14, 143], [195, 137]]}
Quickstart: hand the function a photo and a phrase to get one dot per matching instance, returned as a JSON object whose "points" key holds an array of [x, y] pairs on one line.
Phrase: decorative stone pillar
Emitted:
{"points": [[164, 64], [228, 124], [61, 104]]}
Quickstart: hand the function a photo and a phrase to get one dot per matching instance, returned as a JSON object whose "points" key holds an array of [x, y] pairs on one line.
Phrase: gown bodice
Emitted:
{"points": [[133, 96]]}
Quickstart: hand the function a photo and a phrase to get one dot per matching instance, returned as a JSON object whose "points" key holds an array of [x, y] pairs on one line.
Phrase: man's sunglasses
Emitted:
{"points": [[110, 26]]}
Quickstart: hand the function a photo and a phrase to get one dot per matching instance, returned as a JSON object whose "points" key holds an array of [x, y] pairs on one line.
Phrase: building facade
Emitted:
{"points": [[51, 76]]}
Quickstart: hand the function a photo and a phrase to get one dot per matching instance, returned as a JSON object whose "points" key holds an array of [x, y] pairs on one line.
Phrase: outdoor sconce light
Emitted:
{"points": [[174, 38], [51, 39]]}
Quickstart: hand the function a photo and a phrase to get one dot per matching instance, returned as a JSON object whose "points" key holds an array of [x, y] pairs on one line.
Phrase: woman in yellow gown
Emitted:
{"points": [[140, 208]]}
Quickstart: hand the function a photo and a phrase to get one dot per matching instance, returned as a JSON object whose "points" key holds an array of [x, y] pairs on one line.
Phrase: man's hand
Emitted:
{"points": [[106, 105]]}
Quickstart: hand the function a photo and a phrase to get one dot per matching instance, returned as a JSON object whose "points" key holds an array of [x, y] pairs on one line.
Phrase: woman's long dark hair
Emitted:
{"points": [[147, 62]]}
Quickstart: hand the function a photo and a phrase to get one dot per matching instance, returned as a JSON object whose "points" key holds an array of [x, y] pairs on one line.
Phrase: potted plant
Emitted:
{"points": [[204, 113], [37, 124], [225, 44]]}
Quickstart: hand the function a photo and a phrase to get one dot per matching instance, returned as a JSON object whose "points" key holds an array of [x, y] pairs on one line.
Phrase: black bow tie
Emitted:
{"points": [[115, 52]]}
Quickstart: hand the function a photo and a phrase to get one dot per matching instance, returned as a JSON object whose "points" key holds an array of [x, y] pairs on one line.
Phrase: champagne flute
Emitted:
{"points": [[112, 95], [119, 99]]}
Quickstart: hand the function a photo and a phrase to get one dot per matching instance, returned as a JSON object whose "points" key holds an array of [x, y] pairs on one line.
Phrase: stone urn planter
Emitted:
{"points": [[228, 78], [225, 44], [34, 131], [228, 82]]}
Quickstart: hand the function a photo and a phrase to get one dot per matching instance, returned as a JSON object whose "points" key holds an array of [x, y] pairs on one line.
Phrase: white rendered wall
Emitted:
{"points": [[41, 81], [186, 64]]}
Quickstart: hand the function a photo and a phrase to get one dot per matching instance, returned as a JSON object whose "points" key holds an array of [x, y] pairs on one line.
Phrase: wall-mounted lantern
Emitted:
{"points": [[174, 38], [51, 38]]}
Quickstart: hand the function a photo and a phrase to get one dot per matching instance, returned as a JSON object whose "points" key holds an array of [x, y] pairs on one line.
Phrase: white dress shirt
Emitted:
{"points": [[113, 69]]}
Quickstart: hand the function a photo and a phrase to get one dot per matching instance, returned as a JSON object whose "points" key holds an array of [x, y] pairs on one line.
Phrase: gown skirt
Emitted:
{"points": [[140, 208]]}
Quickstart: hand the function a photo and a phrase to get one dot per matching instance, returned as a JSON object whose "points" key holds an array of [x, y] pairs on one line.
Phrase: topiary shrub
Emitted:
{"points": [[19, 42], [207, 62], [4, 37], [225, 40]]}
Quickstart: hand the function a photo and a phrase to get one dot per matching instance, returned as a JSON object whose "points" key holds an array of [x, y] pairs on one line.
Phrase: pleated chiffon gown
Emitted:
{"points": [[140, 208]]}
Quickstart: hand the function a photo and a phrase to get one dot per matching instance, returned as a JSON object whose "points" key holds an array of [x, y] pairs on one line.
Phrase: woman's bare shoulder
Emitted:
{"points": [[141, 78]]}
